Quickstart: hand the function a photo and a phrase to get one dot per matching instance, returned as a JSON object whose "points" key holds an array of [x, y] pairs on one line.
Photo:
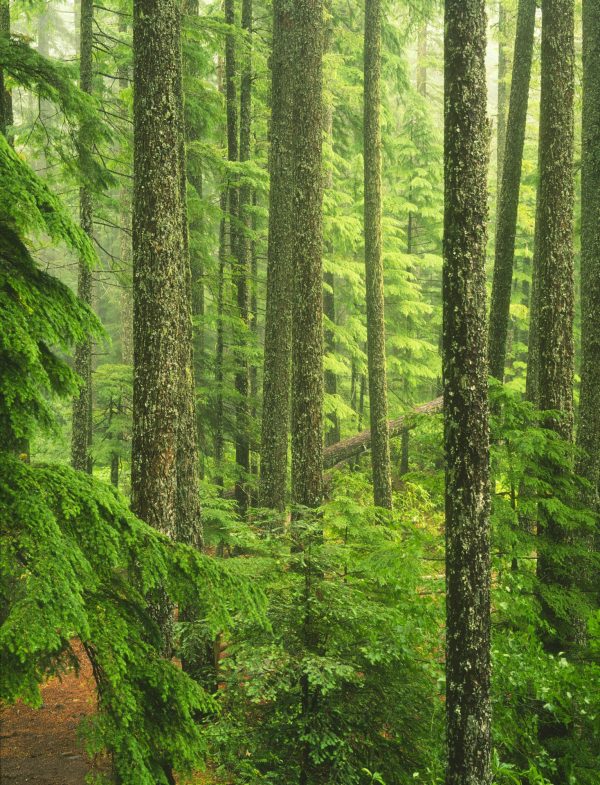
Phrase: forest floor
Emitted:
{"points": [[42, 746]]}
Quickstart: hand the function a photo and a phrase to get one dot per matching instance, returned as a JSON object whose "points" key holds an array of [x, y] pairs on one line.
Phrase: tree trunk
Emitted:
{"points": [[466, 431], [241, 269], [81, 439], [508, 201], [332, 434], [219, 441], [307, 319], [189, 526], [158, 250], [422, 60], [503, 71], [380, 455], [6, 112], [554, 238], [307, 329], [588, 432], [278, 329]]}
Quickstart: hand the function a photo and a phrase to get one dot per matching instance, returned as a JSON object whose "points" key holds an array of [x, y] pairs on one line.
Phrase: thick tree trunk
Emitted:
{"points": [[81, 439], [588, 432], [466, 432], [158, 250], [307, 330], [278, 335], [307, 319], [380, 454], [508, 201]]}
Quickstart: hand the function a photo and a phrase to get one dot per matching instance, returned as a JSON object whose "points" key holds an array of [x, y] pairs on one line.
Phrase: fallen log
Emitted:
{"points": [[357, 445]]}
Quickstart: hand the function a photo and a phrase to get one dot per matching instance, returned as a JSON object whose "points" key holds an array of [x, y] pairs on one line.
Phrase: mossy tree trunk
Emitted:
{"points": [[242, 271], [81, 439], [188, 523], [380, 445], [508, 201], [6, 112], [503, 71], [466, 430], [588, 431], [158, 251], [554, 253], [307, 337], [307, 248], [278, 324]]}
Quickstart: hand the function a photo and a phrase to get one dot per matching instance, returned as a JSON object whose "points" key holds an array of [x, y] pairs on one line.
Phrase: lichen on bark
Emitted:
{"points": [[466, 430]]}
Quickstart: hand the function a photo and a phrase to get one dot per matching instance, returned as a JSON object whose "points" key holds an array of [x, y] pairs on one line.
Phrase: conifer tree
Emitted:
{"points": [[307, 333], [380, 446], [6, 118], [81, 440], [508, 199], [555, 259], [158, 251], [307, 312], [466, 432], [242, 268], [277, 343], [588, 431]]}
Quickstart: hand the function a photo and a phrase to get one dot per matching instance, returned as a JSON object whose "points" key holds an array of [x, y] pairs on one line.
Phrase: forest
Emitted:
{"points": [[300, 392]]}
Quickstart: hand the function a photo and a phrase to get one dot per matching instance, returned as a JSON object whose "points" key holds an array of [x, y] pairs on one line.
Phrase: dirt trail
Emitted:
{"points": [[41, 746]]}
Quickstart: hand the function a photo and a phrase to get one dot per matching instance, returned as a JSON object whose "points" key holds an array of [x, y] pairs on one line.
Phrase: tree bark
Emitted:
{"points": [[555, 255], [380, 455], [503, 71], [158, 249], [81, 438], [241, 268], [6, 112], [588, 431], [188, 525], [278, 324], [508, 201], [307, 247], [466, 430]]}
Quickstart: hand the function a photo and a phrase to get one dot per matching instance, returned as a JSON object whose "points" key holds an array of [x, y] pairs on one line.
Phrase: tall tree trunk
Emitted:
{"points": [[6, 112], [158, 250], [278, 324], [554, 237], [466, 431], [422, 60], [508, 202], [307, 325], [81, 440], [188, 526], [241, 268], [588, 431], [219, 441], [503, 71], [332, 434], [380, 455]]}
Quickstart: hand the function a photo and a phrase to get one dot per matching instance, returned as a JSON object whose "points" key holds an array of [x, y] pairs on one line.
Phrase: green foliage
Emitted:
{"points": [[77, 564]]}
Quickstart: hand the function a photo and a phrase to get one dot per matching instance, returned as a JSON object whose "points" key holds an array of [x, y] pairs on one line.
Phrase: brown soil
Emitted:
{"points": [[41, 746]]}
